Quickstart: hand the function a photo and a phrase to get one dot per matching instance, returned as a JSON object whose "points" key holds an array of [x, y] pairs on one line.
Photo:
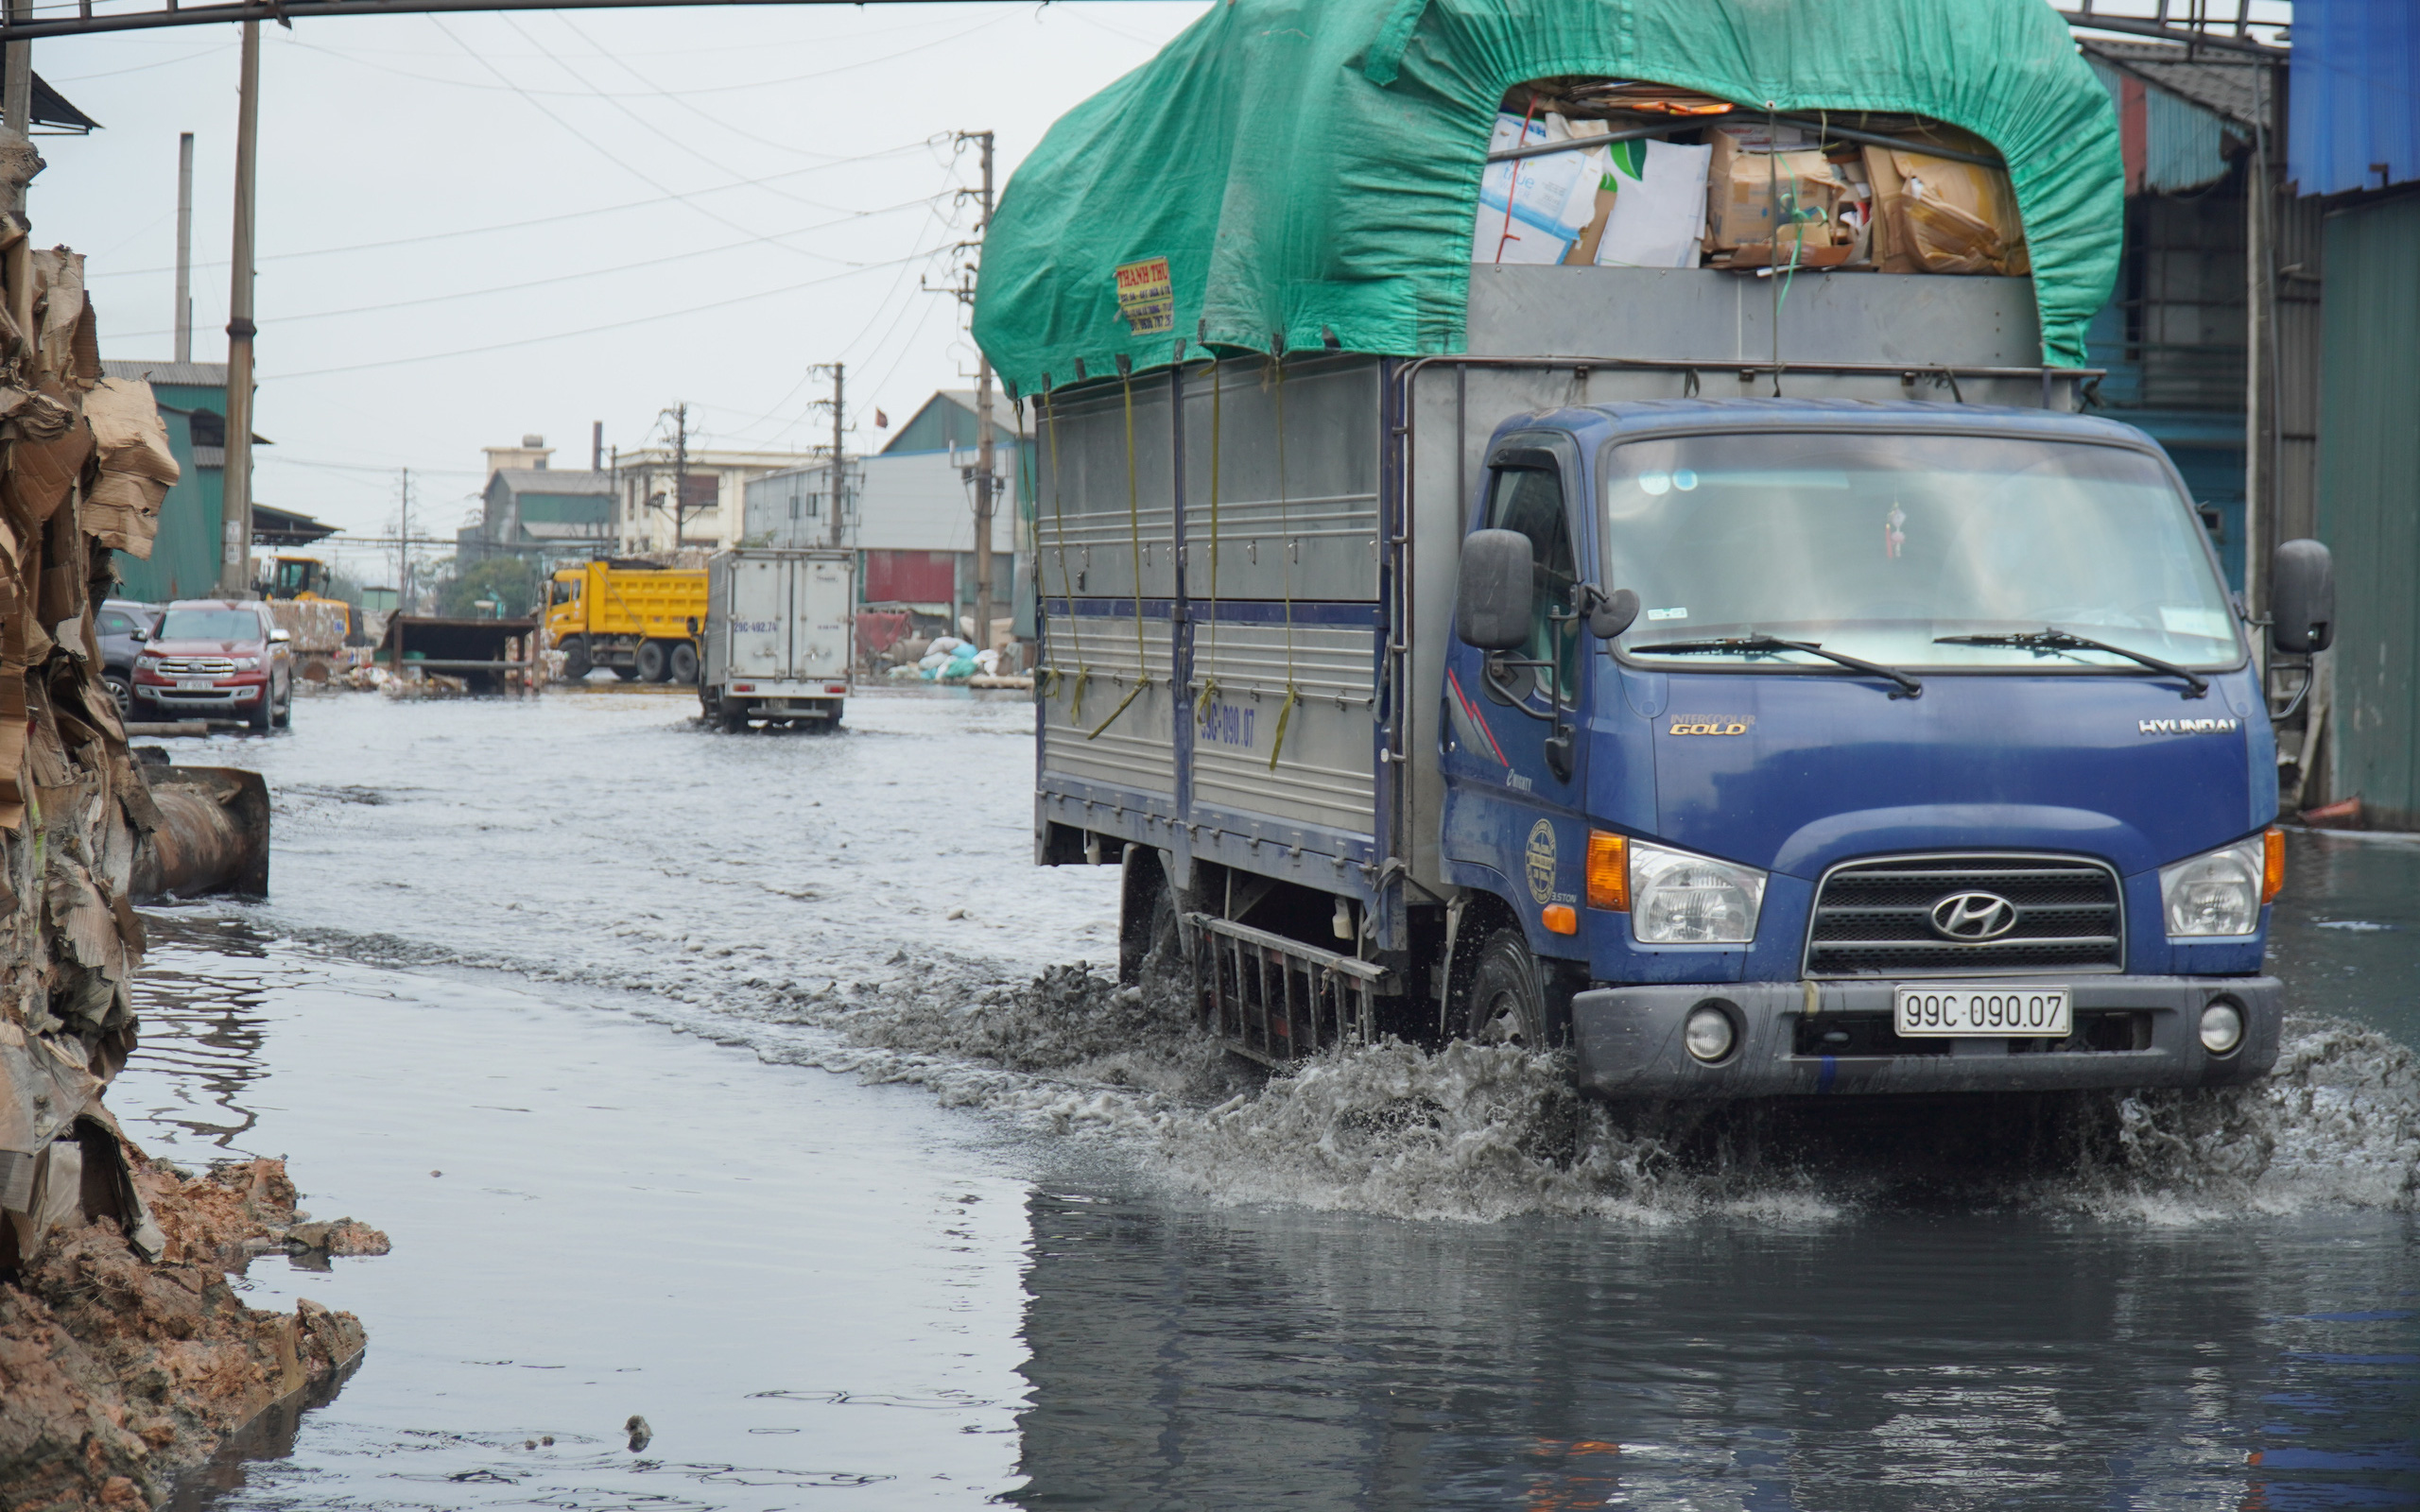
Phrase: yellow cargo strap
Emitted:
{"points": [[1209, 678], [1066, 579], [1286, 529], [1134, 541]]}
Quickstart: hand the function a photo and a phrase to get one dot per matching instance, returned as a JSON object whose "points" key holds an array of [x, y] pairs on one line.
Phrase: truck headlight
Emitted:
{"points": [[2217, 893], [1680, 898], [248, 663]]}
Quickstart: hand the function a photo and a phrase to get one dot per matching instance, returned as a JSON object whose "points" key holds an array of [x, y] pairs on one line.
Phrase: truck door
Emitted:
{"points": [[1514, 756], [820, 620], [759, 622]]}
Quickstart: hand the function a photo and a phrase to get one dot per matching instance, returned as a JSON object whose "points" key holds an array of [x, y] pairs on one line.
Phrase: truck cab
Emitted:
{"points": [[1830, 746]]}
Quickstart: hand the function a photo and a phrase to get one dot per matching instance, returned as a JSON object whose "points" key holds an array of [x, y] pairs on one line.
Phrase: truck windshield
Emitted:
{"points": [[1879, 545]]}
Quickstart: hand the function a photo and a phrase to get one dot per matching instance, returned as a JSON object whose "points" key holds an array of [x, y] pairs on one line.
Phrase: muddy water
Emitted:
{"points": [[685, 1021]]}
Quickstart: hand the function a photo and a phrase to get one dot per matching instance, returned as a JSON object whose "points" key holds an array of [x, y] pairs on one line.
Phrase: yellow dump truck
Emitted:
{"points": [[637, 618]]}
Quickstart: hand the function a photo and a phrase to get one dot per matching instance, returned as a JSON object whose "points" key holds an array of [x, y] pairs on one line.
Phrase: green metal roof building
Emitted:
{"points": [[185, 554]]}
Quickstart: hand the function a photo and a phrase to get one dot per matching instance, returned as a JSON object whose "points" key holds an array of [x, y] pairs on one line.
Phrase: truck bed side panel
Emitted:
{"points": [[1324, 775], [1309, 532], [1132, 758]]}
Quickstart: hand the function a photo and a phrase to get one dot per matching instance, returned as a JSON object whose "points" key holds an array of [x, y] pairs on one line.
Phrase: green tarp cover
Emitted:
{"points": [[1311, 168]]}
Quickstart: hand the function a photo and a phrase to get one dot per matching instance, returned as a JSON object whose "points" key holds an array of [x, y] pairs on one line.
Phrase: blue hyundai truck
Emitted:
{"points": [[1754, 680]]}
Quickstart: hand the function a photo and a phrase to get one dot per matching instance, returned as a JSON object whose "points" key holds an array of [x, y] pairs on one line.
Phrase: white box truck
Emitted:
{"points": [[779, 637]]}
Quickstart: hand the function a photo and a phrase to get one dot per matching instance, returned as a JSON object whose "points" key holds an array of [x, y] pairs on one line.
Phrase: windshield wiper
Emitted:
{"points": [[1909, 687], [2051, 637]]}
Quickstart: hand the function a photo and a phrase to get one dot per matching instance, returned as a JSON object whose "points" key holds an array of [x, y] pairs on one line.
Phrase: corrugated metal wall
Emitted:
{"points": [[184, 552], [2369, 498], [2354, 114]]}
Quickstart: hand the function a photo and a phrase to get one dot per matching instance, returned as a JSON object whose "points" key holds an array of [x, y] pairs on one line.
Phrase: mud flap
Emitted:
{"points": [[1145, 876]]}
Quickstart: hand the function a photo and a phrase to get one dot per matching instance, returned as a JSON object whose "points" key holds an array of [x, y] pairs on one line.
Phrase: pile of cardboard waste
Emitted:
{"points": [[123, 1353], [1694, 182]]}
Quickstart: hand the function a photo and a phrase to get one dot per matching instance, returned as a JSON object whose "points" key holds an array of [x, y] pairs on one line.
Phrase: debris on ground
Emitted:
{"points": [[119, 1370], [125, 1355]]}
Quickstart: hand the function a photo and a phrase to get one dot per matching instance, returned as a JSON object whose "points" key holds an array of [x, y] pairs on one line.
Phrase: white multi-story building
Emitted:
{"points": [[666, 504]]}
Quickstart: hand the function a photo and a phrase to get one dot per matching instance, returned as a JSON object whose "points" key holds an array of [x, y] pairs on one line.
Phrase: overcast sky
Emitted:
{"points": [[472, 227]]}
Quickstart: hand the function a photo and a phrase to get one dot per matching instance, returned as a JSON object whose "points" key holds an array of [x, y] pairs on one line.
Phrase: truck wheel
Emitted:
{"points": [[684, 662], [258, 716], [653, 665], [122, 690], [283, 716], [1503, 1005], [627, 674], [575, 663]]}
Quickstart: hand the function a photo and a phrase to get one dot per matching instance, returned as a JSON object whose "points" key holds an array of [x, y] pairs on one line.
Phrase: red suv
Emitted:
{"points": [[216, 657]]}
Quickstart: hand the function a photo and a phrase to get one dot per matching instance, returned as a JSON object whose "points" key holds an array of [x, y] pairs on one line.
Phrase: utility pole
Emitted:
{"points": [[679, 475], [597, 446], [986, 481], [839, 491], [236, 507], [184, 247], [402, 548], [17, 81]]}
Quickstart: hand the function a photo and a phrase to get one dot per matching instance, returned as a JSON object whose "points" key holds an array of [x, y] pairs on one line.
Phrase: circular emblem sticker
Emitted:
{"points": [[1541, 861]]}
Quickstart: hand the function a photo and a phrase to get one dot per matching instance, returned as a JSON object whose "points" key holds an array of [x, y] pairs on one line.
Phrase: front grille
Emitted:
{"points": [[196, 666], [1875, 918]]}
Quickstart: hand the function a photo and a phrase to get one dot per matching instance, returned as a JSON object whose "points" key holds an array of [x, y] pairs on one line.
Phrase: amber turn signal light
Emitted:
{"points": [[1561, 919], [1608, 871], [2272, 867]]}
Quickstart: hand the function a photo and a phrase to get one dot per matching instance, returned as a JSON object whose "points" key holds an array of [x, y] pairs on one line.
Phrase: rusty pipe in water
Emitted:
{"points": [[212, 833]]}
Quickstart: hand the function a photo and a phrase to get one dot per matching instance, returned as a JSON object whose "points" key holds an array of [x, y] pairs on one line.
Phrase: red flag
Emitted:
{"points": [[881, 420]]}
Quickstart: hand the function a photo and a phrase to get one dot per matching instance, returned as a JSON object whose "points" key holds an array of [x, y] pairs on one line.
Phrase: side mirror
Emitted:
{"points": [[1494, 593], [138, 633], [280, 636], [1612, 613], [2302, 597]]}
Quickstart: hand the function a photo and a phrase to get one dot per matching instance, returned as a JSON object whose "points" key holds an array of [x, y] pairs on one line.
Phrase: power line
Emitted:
{"points": [[568, 278], [551, 56], [585, 141], [593, 330], [540, 220]]}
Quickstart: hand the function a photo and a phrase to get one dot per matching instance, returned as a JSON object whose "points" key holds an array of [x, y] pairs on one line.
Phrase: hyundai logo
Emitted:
{"points": [[1973, 917]]}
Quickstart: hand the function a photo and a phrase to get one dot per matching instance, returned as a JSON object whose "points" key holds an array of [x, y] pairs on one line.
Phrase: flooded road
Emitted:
{"points": [[682, 1019]]}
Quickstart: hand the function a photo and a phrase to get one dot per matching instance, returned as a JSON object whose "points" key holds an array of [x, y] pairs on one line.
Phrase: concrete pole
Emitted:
{"points": [[680, 477], [17, 112], [986, 479], [17, 78], [840, 464], [184, 247], [235, 578], [403, 561]]}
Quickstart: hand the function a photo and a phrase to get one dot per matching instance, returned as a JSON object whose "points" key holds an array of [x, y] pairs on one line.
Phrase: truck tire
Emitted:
{"points": [[684, 663], [627, 674], [653, 665], [1503, 1004], [575, 663]]}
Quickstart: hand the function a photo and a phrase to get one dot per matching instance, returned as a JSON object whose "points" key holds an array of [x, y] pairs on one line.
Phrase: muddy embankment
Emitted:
{"points": [[124, 1353]]}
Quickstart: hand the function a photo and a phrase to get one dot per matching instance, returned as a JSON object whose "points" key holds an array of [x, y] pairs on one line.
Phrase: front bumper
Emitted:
{"points": [[225, 696], [1629, 1041]]}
